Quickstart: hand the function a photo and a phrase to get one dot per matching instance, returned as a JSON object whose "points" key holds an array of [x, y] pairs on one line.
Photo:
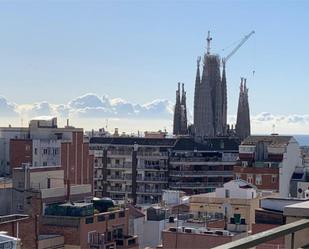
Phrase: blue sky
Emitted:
{"points": [[55, 51]]}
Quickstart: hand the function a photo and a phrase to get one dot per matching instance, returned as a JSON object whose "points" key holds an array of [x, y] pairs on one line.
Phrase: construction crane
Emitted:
{"points": [[225, 59]]}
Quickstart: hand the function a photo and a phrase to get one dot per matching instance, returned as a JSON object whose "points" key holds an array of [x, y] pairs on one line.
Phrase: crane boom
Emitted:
{"points": [[225, 59]]}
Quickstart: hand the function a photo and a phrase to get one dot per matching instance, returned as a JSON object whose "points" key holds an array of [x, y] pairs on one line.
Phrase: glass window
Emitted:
{"points": [[101, 218], [258, 180], [89, 220], [111, 216]]}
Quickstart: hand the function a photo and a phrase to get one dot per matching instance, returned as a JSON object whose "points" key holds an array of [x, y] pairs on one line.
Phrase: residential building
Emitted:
{"points": [[201, 167], [43, 143], [269, 162], [35, 187], [83, 229], [132, 168], [9, 242], [235, 202]]}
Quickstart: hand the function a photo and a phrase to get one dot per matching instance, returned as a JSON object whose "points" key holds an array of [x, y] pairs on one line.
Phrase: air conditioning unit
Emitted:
{"points": [[306, 194]]}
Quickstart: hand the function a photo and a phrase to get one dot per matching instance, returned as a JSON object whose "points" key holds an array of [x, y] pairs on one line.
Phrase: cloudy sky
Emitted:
{"points": [[121, 60]]}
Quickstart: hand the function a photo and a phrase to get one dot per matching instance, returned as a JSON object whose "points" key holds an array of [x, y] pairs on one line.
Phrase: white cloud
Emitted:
{"points": [[7, 109], [89, 107]]}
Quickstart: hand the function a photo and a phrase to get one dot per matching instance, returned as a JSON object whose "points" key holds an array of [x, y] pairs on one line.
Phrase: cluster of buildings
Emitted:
{"points": [[210, 184]]}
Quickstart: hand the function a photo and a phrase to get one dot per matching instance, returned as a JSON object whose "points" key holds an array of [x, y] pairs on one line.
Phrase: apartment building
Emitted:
{"points": [[201, 167], [235, 203], [43, 143], [269, 162], [106, 230], [36, 187], [132, 168]]}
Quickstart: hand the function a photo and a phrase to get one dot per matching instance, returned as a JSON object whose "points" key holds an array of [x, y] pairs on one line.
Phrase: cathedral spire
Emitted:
{"points": [[180, 113], [224, 100], [184, 121], [197, 89], [243, 128]]}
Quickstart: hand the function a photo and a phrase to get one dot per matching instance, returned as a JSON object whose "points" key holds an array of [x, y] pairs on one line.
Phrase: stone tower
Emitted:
{"points": [[243, 125], [210, 99], [180, 126]]}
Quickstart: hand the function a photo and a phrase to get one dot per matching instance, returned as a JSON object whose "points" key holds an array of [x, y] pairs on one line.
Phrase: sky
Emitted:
{"points": [[121, 60]]}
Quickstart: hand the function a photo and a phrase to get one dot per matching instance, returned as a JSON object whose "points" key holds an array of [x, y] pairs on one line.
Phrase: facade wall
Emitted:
{"points": [[27, 232], [20, 152], [269, 176], [6, 134], [276, 243], [192, 241], [78, 235], [291, 159], [75, 160]]}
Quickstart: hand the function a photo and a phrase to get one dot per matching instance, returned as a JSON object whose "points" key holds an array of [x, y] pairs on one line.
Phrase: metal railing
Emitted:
{"points": [[195, 184], [200, 173], [260, 238]]}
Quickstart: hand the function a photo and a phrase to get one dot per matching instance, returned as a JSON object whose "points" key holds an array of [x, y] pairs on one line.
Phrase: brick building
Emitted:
{"points": [[268, 162], [43, 143]]}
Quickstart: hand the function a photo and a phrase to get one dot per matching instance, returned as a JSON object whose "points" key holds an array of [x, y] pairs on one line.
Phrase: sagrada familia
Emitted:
{"points": [[210, 104]]}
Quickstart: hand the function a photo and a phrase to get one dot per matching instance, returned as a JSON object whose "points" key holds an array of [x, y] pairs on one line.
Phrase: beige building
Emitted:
{"points": [[235, 203]]}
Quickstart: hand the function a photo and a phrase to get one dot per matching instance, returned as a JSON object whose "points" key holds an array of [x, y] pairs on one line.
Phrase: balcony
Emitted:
{"points": [[117, 189], [201, 173], [125, 165], [143, 191], [152, 179], [197, 185], [157, 167], [127, 242], [152, 154]]}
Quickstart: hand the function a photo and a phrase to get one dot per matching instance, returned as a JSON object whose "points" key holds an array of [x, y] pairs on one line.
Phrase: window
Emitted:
{"points": [[227, 193], [122, 214], [258, 180], [35, 151], [273, 178], [238, 176], [101, 218], [44, 163], [111, 216], [89, 220], [250, 179], [117, 161], [244, 163], [27, 147]]}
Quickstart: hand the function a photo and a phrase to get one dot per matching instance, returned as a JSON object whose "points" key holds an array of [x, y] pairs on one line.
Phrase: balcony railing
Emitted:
{"points": [[196, 159], [182, 185], [152, 179], [201, 173], [125, 165]]}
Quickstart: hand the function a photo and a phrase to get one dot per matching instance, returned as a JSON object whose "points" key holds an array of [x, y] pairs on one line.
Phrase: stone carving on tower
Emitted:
{"points": [[243, 127]]}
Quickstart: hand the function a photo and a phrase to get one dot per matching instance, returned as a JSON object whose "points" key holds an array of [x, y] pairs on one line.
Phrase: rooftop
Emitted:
{"points": [[272, 140], [211, 144], [168, 142]]}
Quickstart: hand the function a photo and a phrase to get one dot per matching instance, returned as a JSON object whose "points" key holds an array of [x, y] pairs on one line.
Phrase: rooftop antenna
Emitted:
{"points": [[208, 42], [106, 126]]}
